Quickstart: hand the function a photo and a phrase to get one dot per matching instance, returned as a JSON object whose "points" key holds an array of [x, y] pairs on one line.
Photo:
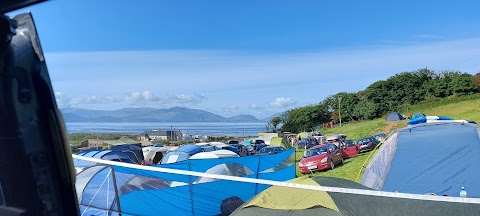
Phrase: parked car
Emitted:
{"points": [[349, 149], [271, 150], [231, 142], [367, 144], [379, 136], [253, 149], [321, 157], [241, 149], [158, 145], [307, 143], [258, 141]]}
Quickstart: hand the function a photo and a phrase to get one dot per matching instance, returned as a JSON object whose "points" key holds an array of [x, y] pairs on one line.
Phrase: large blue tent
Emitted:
{"points": [[108, 155], [145, 192], [438, 158], [133, 150]]}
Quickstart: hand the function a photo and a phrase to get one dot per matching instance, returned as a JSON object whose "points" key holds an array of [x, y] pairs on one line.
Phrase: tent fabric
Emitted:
{"points": [[214, 154], [394, 116], [144, 192], [427, 119], [437, 158], [368, 205], [131, 149], [418, 115], [273, 197], [105, 155], [279, 141], [190, 149], [174, 157]]}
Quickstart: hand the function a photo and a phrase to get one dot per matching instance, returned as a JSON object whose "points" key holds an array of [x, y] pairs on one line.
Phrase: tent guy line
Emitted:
{"points": [[285, 184]]}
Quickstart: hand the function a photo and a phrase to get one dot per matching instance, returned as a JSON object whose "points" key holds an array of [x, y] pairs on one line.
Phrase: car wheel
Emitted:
{"points": [[332, 165]]}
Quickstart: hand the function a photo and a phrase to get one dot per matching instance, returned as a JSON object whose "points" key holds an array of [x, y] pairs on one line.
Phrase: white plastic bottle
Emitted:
{"points": [[463, 192]]}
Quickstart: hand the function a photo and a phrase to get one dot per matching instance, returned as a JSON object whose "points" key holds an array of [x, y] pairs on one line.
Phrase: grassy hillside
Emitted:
{"points": [[457, 108]]}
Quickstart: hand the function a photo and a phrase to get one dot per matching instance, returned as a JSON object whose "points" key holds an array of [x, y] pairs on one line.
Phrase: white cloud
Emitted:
{"points": [[283, 102], [256, 107], [231, 109], [132, 99]]}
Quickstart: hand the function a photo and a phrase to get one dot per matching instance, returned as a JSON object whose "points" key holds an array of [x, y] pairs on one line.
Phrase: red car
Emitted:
{"points": [[350, 149], [321, 157]]}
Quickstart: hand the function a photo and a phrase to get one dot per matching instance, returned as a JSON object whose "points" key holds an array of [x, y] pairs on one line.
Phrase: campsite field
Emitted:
{"points": [[458, 108]]}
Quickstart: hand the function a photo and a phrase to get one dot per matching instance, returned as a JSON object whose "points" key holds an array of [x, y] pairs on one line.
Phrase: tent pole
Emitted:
{"points": [[190, 187], [116, 191], [258, 170]]}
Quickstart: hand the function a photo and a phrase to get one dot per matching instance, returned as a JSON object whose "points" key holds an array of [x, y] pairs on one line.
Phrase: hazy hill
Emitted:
{"points": [[174, 114]]}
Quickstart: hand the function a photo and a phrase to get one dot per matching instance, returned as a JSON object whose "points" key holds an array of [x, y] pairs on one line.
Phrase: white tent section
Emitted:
{"points": [[206, 146], [214, 154], [150, 152], [218, 145], [266, 139]]}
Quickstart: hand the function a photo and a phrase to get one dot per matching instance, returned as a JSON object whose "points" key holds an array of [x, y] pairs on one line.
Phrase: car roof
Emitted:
{"points": [[319, 146]]}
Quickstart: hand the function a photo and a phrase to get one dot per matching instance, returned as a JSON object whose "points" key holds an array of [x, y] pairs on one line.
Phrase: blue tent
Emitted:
{"points": [[108, 155], [174, 157], [439, 158], [418, 115], [190, 149], [133, 150], [144, 192], [424, 119], [394, 116]]}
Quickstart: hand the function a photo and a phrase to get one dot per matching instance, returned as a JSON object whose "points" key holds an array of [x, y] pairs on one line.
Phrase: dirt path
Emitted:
{"points": [[389, 127]]}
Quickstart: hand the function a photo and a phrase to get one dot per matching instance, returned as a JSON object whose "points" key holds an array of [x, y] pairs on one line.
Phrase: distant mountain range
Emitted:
{"points": [[174, 114]]}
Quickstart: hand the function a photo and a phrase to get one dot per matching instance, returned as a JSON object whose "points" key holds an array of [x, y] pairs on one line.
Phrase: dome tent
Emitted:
{"points": [[394, 116]]}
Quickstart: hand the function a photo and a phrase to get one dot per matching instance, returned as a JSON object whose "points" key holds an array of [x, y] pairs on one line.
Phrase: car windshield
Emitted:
{"points": [[350, 142], [267, 150], [363, 140], [315, 151]]}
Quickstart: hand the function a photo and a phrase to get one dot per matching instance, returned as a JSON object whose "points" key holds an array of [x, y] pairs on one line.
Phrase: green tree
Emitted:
{"points": [[463, 84], [274, 122], [477, 81]]}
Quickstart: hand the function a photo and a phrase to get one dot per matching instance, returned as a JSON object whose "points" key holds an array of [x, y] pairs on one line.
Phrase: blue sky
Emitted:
{"points": [[245, 57]]}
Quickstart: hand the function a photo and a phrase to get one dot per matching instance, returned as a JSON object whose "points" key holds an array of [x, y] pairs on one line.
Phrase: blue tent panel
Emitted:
{"points": [[135, 151], [168, 201], [175, 156], [436, 159], [190, 149]]}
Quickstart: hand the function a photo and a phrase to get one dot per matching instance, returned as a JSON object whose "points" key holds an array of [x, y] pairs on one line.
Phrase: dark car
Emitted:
{"points": [[379, 136], [321, 157], [240, 149], [258, 141], [271, 150], [367, 144], [231, 142], [253, 149], [307, 143]]}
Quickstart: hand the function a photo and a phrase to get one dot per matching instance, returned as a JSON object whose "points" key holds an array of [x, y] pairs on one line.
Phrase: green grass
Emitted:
{"points": [[76, 139], [349, 170], [467, 107]]}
